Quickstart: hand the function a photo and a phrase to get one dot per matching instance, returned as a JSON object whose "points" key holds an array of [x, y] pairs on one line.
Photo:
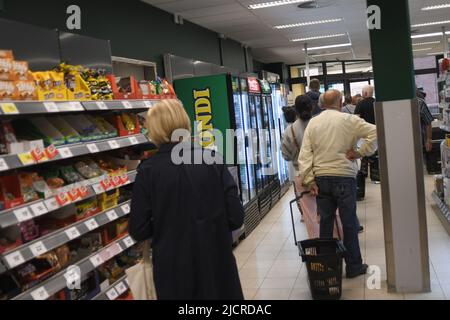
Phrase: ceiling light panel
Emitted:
{"points": [[273, 4], [423, 49], [427, 24], [319, 37], [427, 35], [330, 46], [330, 54], [307, 23], [425, 43], [436, 7]]}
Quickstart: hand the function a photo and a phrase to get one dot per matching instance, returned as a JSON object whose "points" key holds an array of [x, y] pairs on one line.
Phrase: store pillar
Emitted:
{"points": [[400, 150]]}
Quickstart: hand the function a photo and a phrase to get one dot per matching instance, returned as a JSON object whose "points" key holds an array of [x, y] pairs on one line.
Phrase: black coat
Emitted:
{"points": [[189, 211]]}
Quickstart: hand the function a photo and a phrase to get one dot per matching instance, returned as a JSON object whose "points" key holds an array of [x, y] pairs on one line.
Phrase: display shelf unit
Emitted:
{"points": [[444, 211], [115, 290], [14, 108], [31, 250], [39, 208], [60, 281], [14, 161]]}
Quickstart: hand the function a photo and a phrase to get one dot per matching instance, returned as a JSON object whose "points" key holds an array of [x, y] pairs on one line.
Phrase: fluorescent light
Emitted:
{"points": [[330, 46], [320, 37], [273, 4], [425, 43], [423, 49], [427, 24], [436, 7], [330, 54], [308, 23], [427, 35], [435, 53]]}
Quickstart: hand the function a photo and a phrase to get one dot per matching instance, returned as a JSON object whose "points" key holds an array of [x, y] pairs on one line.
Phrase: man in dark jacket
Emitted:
{"points": [[314, 95], [365, 108]]}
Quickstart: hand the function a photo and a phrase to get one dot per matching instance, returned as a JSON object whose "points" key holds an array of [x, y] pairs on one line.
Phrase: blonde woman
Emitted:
{"points": [[189, 212]]}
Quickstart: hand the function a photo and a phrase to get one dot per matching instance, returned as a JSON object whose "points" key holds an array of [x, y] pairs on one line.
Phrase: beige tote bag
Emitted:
{"points": [[140, 277]]}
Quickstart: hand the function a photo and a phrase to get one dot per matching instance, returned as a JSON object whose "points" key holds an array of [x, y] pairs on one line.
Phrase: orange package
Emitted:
{"points": [[20, 70], [6, 68], [7, 90], [6, 54], [25, 90]]}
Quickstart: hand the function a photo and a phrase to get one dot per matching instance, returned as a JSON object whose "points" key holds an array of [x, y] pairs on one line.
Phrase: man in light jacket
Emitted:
{"points": [[328, 167]]}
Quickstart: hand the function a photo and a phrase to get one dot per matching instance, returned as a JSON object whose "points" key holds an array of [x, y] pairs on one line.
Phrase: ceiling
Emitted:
{"points": [[255, 28]]}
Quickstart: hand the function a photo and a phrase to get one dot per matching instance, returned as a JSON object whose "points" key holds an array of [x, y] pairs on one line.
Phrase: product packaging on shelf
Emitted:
{"points": [[10, 195], [87, 129], [37, 270], [7, 90], [69, 133], [127, 124], [126, 88], [6, 69], [52, 136]]}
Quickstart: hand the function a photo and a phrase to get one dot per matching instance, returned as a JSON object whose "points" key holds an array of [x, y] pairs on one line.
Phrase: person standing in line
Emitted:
{"points": [[348, 107], [426, 120], [314, 95], [188, 210], [328, 168]]}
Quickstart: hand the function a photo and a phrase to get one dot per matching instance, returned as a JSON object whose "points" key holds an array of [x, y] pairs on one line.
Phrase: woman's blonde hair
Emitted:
{"points": [[166, 117]]}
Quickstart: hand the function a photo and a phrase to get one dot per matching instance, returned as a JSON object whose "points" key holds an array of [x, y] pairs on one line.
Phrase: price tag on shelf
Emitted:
{"points": [[14, 259], [148, 104], [101, 105], [40, 294], [106, 184], [93, 148], [96, 260], [115, 249], [23, 214], [9, 108], [72, 233], [91, 224], [121, 288], [112, 215], [38, 249], [133, 140], [62, 199], [52, 204], [39, 209], [129, 242], [98, 188], [76, 106], [74, 194], [105, 254], [116, 181], [26, 158], [113, 144], [125, 179], [127, 104], [112, 294], [126, 209], [65, 153], [51, 107], [3, 165]]}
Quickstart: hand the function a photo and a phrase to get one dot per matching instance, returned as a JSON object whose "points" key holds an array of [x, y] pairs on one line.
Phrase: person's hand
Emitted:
{"points": [[353, 155], [429, 145], [314, 190]]}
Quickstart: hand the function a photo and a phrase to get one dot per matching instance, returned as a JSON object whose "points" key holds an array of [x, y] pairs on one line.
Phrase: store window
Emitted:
{"points": [[315, 69], [357, 87], [358, 66], [427, 81], [334, 68]]}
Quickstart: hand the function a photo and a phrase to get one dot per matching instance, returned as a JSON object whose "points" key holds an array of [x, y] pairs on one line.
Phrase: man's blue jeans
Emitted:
{"points": [[340, 193]]}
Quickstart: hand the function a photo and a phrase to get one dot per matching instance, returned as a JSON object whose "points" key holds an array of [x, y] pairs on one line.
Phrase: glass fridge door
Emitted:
{"points": [[267, 156], [250, 148], [256, 119], [274, 145], [241, 152]]}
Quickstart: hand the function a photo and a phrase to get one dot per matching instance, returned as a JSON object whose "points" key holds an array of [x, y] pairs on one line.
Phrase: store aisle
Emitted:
{"points": [[271, 269]]}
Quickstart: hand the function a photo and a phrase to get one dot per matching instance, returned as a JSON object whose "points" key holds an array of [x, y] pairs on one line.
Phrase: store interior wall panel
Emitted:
{"points": [[233, 55], [38, 46], [143, 33]]}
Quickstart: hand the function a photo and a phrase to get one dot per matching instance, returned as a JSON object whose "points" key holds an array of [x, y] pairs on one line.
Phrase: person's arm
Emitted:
{"points": [[140, 225], [286, 145], [367, 132], [234, 208], [305, 161]]}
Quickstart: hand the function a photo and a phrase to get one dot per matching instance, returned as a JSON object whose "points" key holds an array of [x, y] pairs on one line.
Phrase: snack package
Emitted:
{"points": [[20, 70], [7, 90], [129, 121], [38, 270], [6, 54], [86, 209], [88, 169], [6, 69], [7, 137], [41, 187], [69, 175], [25, 90], [26, 187], [58, 85], [29, 230], [53, 180]]}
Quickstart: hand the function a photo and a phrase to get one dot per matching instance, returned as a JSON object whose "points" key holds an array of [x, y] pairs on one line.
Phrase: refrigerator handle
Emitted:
{"points": [[246, 141]]}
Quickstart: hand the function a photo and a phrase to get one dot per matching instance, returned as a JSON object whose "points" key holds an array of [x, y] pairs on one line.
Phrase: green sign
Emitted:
{"points": [[207, 102]]}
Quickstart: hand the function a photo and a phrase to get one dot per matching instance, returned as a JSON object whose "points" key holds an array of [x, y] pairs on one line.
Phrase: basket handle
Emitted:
{"points": [[292, 213]]}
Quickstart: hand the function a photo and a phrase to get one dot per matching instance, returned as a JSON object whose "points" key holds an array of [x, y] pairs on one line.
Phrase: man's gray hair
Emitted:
{"points": [[367, 91]]}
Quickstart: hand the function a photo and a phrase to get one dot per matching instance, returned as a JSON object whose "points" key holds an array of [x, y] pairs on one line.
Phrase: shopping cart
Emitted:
{"points": [[324, 261]]}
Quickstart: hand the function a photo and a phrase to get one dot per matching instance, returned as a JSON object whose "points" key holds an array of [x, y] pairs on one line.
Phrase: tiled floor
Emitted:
{"points": [[271, 269]]}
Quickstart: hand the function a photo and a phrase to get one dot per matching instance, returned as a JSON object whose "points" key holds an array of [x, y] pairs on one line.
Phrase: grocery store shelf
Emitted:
{"points": [[39, 107], [69, 276], [118, 105], [14, 161], [443, 213], [39, 208], [15, 108], [40, 246], [115, 290]]}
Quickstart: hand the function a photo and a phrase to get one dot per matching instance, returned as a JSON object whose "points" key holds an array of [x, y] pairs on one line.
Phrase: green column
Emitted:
{"points": [[400, 150]]}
